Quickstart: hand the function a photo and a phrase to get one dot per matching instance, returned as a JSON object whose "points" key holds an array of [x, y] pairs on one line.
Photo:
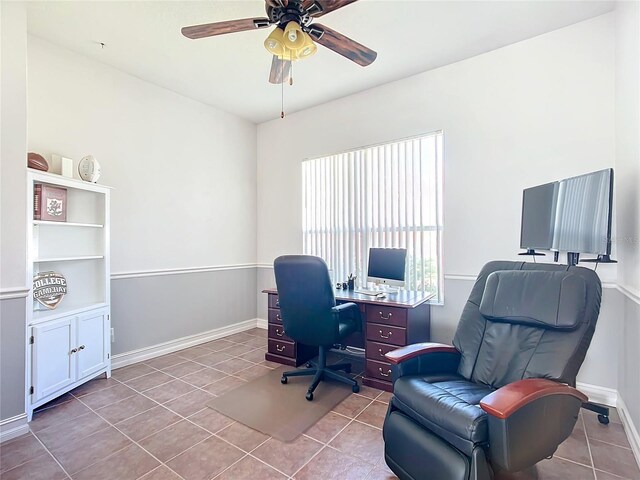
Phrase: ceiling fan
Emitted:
{"points": [[295, 35]]}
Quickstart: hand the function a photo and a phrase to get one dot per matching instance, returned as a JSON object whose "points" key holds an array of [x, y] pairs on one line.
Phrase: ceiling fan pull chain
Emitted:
{"points": [[282, 95], [291, 75]]}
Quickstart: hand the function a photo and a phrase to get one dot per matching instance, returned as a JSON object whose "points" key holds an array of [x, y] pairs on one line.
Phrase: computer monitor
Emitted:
{"points": [[386, 266]]}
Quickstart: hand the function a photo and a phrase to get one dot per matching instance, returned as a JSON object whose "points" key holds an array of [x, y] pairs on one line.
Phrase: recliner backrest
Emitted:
{"points": [[306, 297], [525, 320]]}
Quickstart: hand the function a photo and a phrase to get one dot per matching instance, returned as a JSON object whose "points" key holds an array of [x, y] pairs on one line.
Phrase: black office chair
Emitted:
{"points": [[502, 398], [310, 315]]}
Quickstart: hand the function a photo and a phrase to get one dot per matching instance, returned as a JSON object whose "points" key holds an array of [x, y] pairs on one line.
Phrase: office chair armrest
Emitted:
{"points": [[348, 310], [423, 359], [528, 420]]}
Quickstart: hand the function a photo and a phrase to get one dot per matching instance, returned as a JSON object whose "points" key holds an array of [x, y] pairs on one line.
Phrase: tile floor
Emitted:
{"points": [[149, 422]]}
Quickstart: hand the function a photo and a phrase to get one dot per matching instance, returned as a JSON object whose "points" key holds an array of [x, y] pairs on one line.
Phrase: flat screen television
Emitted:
{"points": [[571, 215], [538, 217]]}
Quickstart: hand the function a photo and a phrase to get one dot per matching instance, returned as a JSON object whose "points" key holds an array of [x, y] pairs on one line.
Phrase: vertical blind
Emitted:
{"points": [[387, 195]]}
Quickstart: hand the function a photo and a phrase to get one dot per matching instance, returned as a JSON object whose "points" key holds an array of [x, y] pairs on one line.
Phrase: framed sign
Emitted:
{"points": [[49, 203], [49, 288]]}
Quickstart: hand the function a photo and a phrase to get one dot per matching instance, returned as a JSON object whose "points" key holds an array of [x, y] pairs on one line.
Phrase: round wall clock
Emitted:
{"points": [[89, 169]]}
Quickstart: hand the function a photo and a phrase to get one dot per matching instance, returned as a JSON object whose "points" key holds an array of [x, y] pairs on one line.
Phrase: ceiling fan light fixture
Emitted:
{"points": [[274, 43], [293, 36], [309, 48]]}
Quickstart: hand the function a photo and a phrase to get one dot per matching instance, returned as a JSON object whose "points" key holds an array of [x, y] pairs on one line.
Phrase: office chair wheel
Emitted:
{"points": [[355, 388], [308, 365], [603, 419], [283, 379], [309, 396]]}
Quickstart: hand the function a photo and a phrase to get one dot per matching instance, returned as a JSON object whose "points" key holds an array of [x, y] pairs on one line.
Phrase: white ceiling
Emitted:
{"points": [[231, 72]]}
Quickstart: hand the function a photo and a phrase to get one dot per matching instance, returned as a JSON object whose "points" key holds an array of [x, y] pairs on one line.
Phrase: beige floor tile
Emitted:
{"points": [[127, 464], [193, 352], [224, 385], [374, 414], [287, 457], [218, 345], [66, 397], [234, 365], [148, 423], [257, 332], [205, 460], [241, 348], [94, 385], [79, 454], [239, 337], [164, 361], [76, 428], [361, 441], [368, 392], [213, 359], [190, 403], [575, 448], [256, 355], [256, 342], [250, 469], [253, 372], [169, 391], [108, 396], [211, 420], [173, 440], [19, 451], [327, 427], [132, 371], [352, 406], [149, 381], [332, 464], [57, 415], [161, 473], [384, 397], [116, 412], [182, 369], [612, 433], [42, 467], [558, 469], [242, 436], [617, 460], [379, 474], [204, 377]]}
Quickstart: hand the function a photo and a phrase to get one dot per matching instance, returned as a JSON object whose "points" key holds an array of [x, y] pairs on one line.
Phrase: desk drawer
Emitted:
{"points": [[387, 315], [285, 349], [276, 332], [379, 370], [377, 351], [386, 334], [273, 301], [274, 316]]}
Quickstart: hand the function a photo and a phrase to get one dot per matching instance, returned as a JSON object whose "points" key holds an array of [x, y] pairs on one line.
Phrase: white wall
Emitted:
{"points": [[628, 202], [183, 172], [529, 113]]}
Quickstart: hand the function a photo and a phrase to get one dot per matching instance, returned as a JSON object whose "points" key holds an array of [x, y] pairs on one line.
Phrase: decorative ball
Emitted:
{"points": [[37, 162], [89, 169]]}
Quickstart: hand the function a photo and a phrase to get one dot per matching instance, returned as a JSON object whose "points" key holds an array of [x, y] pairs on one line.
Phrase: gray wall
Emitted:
{"points": [[12, 351], [150, 310], [629, 376]]}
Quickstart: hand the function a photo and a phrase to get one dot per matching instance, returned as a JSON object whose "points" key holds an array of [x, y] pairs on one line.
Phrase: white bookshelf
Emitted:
{"points": [[70, 344]]}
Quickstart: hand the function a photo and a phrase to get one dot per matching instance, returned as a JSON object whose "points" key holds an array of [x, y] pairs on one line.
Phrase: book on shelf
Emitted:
{"points": [[49, 203]]}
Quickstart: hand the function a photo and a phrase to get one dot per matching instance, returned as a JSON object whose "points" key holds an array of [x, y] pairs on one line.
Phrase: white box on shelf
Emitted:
{"points": [[62, 165]]}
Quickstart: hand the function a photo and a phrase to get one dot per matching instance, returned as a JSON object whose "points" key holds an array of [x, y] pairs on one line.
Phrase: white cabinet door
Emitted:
{"points": [[92, 351], [53, 364]]}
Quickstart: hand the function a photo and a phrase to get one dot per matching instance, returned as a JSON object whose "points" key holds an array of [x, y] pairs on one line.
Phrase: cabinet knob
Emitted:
{"points": [[387, 317], [279, 333], [74, 350], [278, 316], [381, 352], [382, 335], [81, 347], [382, 372], [280, 348]]}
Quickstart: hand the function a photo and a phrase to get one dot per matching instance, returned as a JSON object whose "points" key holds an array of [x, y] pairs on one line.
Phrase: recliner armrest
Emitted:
{"points": [[506, 400], [532, 409], [424, 359], [410, 351]]}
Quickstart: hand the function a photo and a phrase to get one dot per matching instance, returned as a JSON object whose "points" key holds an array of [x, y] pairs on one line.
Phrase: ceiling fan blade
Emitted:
{"points": [[343, 45], [280, 70], [277, 3], [220, 28], [322, 7]]}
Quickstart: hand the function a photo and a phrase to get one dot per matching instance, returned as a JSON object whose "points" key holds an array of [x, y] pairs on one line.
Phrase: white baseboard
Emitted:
{"points": [[630, 429], [13, 427], [596, 394], [146, 353], [262, 323]]}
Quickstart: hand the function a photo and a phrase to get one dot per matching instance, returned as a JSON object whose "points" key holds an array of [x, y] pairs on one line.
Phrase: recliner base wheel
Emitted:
{"points": [[355, 388], [283, 379], [309, 396], [603, 419]]}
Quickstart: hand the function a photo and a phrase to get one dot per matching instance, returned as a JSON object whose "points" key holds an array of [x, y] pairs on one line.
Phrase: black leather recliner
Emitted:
{"points": [[502, 397]]}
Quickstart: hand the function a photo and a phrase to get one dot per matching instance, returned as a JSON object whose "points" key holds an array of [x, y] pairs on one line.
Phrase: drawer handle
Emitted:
{"points": [[74, 350], [279, 333], [381, 352], [387, 317], [382, 335], [278, 317], [81, 347], [277, 303], [280, 348], [384, 374]]}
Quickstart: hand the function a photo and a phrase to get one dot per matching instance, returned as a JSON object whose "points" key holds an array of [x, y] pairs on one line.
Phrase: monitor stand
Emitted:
{"points": [[386, 288], [600, 259], [531, 251]]}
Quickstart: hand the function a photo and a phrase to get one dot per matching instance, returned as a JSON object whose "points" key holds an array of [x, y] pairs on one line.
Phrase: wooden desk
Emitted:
{"points": [[388, 323]]}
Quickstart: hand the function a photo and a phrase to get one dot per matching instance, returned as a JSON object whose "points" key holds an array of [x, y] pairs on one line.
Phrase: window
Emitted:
{"points": [[387, 195]]}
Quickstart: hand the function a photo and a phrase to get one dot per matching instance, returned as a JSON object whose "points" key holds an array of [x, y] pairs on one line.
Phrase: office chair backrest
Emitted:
{"points": [[306, 298], [525, 320]]}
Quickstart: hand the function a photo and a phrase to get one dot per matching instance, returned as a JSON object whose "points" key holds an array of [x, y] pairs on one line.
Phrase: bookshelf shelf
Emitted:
{"points": [[67, 224], [68, 259]]}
